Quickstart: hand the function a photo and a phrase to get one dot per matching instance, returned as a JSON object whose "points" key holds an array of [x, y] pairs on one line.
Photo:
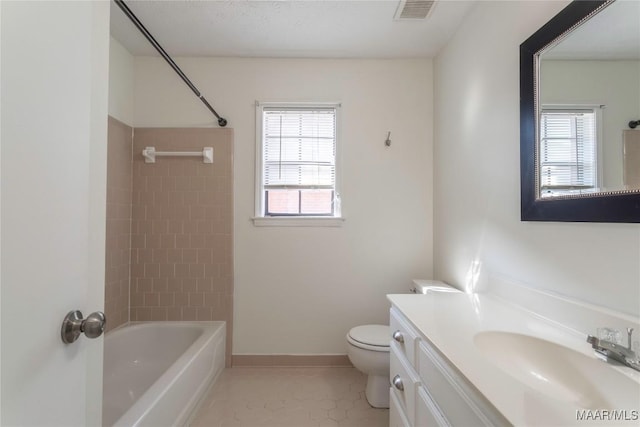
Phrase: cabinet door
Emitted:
{"points": [[427, 413], [458, 400], [397, 417]]}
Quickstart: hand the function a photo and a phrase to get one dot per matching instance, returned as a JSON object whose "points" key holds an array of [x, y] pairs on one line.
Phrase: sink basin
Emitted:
{"points": [[559, 372]]}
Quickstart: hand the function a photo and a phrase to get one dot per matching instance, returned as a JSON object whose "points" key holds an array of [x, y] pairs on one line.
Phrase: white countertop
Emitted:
{"points": [[451, 320]]}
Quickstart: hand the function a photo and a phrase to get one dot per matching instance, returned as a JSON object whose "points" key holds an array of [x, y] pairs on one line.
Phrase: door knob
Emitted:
{"points": [[73, 325]]}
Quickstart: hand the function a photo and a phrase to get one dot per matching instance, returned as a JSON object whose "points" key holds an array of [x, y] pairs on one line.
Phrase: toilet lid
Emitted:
{"points": [[375, 335]]}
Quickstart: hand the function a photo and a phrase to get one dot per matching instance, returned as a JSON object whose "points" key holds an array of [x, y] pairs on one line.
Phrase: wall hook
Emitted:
{"points": [[388, 140]]}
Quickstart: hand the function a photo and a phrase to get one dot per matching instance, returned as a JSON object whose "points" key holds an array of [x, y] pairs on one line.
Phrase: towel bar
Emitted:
{"points": [[150, 154]]}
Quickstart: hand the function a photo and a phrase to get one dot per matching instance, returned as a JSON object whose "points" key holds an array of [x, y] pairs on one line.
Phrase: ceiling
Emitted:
{"points": [[287, 28]]}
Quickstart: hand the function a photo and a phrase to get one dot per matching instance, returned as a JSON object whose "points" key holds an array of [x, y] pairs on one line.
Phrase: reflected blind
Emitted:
{"points": [[568, 149], [299, 148]]}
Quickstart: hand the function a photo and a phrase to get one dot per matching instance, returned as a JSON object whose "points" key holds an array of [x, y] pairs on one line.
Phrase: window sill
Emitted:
{"points": [[313, 221]]}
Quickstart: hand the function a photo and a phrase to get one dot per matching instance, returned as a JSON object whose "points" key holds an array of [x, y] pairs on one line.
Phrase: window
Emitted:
{"points": [[296, 166], [569, 150]]}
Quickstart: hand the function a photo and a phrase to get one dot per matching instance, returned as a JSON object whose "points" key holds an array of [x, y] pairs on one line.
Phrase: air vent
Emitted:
{"points": [[413, 9]]}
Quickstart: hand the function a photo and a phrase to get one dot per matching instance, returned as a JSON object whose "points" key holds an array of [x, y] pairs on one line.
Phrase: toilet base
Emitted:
{"points": [[377, 391]]}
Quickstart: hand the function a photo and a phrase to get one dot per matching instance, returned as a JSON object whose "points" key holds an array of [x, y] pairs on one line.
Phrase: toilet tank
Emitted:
{"points": [[421, 286]]}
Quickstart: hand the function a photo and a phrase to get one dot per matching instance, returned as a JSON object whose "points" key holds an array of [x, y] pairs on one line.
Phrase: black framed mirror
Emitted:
{"points": [[597, 195]]}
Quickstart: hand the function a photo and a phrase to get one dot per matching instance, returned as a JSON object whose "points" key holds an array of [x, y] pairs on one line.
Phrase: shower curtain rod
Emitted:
{"points": [[222, 122]]}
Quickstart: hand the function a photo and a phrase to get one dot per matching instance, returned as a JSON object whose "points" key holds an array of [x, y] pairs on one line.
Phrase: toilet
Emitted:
{"points": [[368, 348]]}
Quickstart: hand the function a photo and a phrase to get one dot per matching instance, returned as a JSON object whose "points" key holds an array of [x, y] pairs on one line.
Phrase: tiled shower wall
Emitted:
{"points": [[182, 228], [169, 227], [119, 183]]}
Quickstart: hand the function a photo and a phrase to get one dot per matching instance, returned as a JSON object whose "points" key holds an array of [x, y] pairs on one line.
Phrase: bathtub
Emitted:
{"points": [[156, 373]]}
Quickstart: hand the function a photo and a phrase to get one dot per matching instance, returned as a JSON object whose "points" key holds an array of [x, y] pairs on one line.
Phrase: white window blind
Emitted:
{"points": [[567, 150], [299, 148], [298, 160]]}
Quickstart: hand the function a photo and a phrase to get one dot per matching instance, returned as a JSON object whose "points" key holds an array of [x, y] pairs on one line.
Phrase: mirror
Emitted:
{"points": [[579, 92]]}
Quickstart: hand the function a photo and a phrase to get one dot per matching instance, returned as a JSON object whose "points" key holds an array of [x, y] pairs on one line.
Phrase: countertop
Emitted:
{"points": [[450, 321]]}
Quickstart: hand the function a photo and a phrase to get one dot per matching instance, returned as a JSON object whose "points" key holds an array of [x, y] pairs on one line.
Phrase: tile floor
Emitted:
{"points": [[289, 397]]}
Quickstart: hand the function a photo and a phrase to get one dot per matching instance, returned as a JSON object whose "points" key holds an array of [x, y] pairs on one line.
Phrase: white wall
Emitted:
{"points": [[615, 84], [120, 82], [299, 290], [477, 184]]}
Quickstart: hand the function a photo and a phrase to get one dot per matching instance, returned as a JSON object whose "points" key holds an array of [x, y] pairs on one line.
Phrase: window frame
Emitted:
{"points": [[597, 110], [259, 218]]}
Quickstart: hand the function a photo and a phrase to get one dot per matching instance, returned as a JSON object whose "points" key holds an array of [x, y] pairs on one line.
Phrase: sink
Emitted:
{"points": [[559, 372]]}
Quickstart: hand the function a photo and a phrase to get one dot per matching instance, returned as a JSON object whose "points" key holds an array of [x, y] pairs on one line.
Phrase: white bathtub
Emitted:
{"points": [[156, 373]]}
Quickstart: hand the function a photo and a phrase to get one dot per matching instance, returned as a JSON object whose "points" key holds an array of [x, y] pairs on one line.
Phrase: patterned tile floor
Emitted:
{"points": [[289, 397]]}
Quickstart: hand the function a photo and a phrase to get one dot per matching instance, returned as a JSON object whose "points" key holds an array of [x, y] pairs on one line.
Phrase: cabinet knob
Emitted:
{"points": [[397, 335], [397, 383]]}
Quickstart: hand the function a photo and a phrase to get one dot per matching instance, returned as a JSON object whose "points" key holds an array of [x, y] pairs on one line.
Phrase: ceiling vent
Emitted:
{"points": [[413, 9]]}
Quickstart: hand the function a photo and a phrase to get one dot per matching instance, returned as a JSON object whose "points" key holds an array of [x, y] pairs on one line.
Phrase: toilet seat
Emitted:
{"points": [[370, 337]]}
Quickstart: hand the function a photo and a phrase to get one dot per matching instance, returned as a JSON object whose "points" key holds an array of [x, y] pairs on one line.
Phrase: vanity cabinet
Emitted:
{"points": [[425, 389]]}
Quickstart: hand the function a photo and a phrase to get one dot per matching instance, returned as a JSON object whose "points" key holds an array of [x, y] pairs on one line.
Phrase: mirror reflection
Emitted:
{"points": [[589, 92]]}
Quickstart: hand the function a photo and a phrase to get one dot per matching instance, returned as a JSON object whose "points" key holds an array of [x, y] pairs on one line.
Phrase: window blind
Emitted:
{"points": [[567, 150], [299, 148]]}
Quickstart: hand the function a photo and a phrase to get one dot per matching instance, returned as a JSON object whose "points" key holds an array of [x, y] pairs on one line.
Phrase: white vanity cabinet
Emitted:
{"points": [[425, 389]]}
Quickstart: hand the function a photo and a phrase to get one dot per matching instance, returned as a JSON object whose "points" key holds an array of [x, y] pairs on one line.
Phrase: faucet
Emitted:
{"points": [[617, 352]]}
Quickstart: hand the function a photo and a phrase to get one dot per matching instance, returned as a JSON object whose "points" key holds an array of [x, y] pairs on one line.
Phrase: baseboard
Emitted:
{"points": [[288, 360]]}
